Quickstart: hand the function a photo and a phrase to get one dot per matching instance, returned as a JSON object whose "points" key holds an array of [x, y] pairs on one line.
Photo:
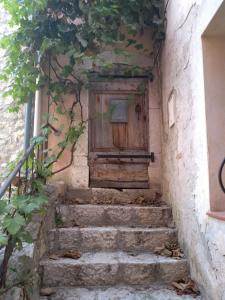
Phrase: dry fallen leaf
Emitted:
{"points": [[177, 285], [79, 200], [186, 287], [53, 257], [75, 224], [74, 254], [158, 250], [140, 200], [171, 246], [169, 250], [177, 253], [47, 291]]}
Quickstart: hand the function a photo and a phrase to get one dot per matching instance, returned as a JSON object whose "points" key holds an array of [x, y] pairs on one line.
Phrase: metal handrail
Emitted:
{"points": [[20, 164], [18, 170], [220, 176]]}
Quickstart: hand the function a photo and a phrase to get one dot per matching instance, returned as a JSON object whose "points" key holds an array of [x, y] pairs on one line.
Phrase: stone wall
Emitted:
{"points": [[11, 124], [185, 162]]}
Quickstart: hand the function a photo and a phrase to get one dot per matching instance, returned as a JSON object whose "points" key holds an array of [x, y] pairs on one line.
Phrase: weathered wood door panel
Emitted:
{"points": [[118, 126]]}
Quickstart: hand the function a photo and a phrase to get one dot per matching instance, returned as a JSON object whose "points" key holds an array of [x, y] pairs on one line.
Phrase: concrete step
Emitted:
{"points": [[111, 238], [115, 215], [113, 196], [119, 293], [107, 269]]}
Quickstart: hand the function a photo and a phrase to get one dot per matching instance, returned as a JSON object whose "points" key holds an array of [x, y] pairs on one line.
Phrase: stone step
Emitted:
{"points": [[111, 239], [109, 269], [113, 196], [114, 215], [119, 293]]}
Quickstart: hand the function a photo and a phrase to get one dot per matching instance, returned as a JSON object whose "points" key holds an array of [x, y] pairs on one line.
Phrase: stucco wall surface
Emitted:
{"points": [[77, 175], [11, 124], [185, 163]]}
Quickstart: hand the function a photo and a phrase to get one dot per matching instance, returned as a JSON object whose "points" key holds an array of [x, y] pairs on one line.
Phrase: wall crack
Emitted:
{"points": [[186, 18]]}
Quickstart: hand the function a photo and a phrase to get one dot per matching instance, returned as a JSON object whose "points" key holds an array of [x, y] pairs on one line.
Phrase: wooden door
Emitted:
{"points": [[118, 135]]}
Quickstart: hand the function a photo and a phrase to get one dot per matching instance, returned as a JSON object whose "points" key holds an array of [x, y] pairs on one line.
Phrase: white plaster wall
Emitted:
{"points": [[155, 121], [185, 164]]}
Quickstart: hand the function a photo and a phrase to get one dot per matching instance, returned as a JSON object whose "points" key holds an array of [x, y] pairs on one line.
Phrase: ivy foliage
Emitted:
{"points": [[16, 214], [53, 42], [77, 29]]}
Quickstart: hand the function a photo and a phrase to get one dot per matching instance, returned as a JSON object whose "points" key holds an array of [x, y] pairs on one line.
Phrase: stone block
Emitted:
{"points": [[113, 196], [157, 216], [111, 239], [98, 239], [115, 215], [79, 177], [145, 239], [103, 269], [119, 215]]}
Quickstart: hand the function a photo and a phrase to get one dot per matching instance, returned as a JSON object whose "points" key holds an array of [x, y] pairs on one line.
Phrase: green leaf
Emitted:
{"points": [[59, 109], [67, 70], [131, 42], [62, 144], [29, 208], [39, 140], [29, 203], [3, 206], [139, 46], [25, 236], [13, 224], [3, 239], [83, 42]]}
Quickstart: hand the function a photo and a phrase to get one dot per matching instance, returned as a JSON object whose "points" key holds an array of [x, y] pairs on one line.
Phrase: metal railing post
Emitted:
{"points": [[37, 113], [28, 121]]}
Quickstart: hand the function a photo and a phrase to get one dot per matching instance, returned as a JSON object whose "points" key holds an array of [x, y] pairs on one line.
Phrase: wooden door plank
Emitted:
{"points": [[119, 184], [102, 128], [136, 127], [125, 172], [120, 136]]}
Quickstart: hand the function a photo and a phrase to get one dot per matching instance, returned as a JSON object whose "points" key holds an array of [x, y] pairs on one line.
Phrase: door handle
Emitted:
{"points": [[138, 110]]}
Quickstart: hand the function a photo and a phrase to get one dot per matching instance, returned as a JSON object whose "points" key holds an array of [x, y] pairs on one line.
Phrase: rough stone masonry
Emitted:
{"points": [[11, 124]]}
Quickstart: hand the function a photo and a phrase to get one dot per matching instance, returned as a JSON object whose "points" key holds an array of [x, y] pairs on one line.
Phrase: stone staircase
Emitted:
{"points": [[114, 234]]}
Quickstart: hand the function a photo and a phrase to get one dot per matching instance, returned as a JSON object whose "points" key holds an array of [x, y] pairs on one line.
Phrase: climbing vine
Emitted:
{"points": [[55, 45]]}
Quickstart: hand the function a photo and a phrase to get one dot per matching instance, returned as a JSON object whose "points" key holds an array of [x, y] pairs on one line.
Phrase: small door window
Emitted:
{"points": [[119, 110]]}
